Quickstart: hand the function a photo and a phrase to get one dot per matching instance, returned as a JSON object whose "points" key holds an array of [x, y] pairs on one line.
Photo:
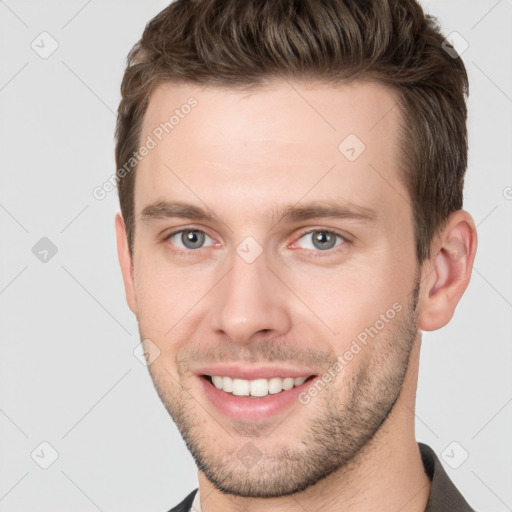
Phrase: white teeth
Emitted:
{"points": [[256, 387], [241, 387], [259, 387], [217, 381], [275, 385], [288, 383], [227, 384]]}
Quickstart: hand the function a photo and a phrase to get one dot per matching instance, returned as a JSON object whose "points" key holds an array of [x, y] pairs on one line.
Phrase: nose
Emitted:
{"points": [[250, 302]]}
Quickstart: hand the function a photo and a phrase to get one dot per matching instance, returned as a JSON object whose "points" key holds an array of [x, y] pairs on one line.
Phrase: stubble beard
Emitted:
{"points": [[330, 437]]}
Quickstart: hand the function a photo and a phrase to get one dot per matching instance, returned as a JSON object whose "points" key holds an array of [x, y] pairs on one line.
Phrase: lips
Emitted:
{"points": [[253, 408]]}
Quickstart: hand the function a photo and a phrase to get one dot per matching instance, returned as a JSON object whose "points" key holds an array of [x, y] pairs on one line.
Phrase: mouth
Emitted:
{"points": [[254, 400]]}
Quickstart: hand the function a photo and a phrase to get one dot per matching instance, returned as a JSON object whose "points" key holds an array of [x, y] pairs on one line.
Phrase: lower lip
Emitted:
{"points": [[244, 408]]}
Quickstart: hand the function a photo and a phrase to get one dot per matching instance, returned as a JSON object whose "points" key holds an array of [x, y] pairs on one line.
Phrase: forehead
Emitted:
{"points": [[270, 142], [295, 111]]}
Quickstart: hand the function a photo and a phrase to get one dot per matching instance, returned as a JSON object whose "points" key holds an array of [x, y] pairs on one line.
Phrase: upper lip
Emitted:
{"points": [[253, 372]]}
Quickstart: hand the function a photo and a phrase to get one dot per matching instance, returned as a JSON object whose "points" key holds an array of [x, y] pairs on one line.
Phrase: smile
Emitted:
{"points": [[256, 399], [257, 387]]}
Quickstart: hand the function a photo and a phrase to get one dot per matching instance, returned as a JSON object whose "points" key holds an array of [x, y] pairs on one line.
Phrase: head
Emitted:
{"points": [[298, 204]]}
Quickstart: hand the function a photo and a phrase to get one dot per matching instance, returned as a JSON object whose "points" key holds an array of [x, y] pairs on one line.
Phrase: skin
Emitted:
{"points": [[245, 157]]}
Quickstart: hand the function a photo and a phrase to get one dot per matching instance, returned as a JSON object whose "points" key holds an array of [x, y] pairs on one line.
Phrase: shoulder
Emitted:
{"points": [[444, 496], [185, 505]]}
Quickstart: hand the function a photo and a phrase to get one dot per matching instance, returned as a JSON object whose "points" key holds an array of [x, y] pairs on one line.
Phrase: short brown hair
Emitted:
{"points": [[247, 43]]}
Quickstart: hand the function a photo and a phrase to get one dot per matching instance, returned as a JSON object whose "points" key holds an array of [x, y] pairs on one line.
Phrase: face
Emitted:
{"points": [[273, 244]]}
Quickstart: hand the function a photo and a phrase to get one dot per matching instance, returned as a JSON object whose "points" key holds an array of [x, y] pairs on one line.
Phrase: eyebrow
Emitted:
{"points": [[161, 210]]}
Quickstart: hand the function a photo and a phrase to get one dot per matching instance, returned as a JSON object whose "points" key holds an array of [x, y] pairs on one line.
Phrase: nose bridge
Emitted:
{"points": [[249, 299]]}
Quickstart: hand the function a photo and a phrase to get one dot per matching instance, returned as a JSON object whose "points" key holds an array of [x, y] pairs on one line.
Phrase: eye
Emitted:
{"points": [[188, 239], [322, 240]]}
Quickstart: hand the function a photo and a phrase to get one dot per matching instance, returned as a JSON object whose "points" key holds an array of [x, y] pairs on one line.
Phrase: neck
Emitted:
{"points": [[386, 475]]}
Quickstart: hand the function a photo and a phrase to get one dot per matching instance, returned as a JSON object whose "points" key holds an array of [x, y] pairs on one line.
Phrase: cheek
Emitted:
{"points": [[161, 298], [171, 302], [349, 297]]}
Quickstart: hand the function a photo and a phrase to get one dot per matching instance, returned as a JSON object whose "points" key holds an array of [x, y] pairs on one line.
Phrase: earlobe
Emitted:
{"points": [[447, 275], [126, 263]]}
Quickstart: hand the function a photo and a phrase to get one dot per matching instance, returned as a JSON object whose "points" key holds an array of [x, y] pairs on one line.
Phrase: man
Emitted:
{"points": [[290, 179]]}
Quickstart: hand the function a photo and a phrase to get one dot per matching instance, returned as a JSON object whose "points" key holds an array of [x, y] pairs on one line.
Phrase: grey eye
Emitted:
{"points": [[189, 239], [322, 239], [192, 239]]}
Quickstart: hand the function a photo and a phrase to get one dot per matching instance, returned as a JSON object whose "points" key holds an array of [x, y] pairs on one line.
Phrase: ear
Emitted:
{"points": [[125, 261], [445, 276]]}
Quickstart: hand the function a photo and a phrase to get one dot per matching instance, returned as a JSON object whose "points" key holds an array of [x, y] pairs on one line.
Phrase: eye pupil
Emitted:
{"points": [[192, 239], [323, 239]]}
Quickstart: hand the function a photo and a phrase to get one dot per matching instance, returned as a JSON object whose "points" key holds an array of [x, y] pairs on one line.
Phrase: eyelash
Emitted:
{"points": [[315, 253]]}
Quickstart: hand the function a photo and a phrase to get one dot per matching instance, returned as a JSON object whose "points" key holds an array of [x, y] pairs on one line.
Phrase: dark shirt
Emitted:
{"points": [[444, 496]]}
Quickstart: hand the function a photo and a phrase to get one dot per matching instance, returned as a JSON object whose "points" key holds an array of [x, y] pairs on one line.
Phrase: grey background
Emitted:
{"points": [[68, 373]]}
